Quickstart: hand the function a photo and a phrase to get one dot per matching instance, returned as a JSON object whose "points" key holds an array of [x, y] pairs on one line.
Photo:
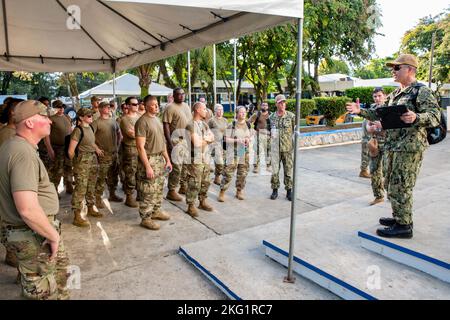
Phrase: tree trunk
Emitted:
{"points": [[6, 80]]}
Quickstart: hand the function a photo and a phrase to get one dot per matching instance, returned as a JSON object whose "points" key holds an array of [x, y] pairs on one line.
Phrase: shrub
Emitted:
{"points": [[307, 106], [331, 108], [365, 94]]}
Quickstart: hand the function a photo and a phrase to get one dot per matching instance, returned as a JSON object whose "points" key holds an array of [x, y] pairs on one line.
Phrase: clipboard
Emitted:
{"points": [[390, 117]]}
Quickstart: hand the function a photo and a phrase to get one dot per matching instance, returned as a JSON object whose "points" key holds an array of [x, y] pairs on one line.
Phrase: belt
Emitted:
{"points": [[10, 227]]}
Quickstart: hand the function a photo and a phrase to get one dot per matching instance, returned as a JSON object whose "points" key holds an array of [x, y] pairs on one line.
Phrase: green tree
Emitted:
{"points": [[375, 69], [333, 66]]}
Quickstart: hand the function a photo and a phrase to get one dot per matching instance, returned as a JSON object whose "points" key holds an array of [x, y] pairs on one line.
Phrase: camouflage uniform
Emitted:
{"points": [[107, 170], [198, 169], [129, 159], [364, 149], [282, 148], [237, 159], [218, 128], [404, 147], [151, 190], [262, 140], [85, 174], [60, 128]]}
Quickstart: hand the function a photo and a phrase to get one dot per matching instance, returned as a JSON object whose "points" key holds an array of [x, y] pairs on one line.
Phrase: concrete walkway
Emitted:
{"points": [[120, 260]]}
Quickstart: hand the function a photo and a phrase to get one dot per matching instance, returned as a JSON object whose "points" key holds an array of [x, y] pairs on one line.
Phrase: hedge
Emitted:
{"points": [[307, 106], [331, 108], [365, 94]]}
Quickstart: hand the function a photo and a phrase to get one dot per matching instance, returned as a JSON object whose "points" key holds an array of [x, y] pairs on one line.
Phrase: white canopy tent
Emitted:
{"points": [[114, 35], [125, 85]]}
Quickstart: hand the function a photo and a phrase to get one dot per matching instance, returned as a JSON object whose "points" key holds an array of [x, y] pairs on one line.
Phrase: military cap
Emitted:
{"points": [[407, 59], [27, 109]]}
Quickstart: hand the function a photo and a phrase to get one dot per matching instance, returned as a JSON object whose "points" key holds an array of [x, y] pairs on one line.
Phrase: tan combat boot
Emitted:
{"points": [[78, 220], [239, 194], [377, 200], [11, 258], [205, 206], [113, 197], [192, 211], [221, 197], [99, 202], [160, 216], [173, 195], [93, 213], [149, 224], [217, 180], [182, 189], [130, 202], [365, 174]]}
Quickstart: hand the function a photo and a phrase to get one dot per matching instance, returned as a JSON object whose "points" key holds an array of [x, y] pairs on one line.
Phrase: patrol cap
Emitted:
{"points": [[407, 59], [280, 98], [84, 112], [27, 109], [94, 98], [103, 104], [57, 104]]}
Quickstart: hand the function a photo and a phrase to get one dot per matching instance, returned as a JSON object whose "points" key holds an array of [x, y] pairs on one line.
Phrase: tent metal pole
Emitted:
{"points": [[290, 278], [114, 86], [189, 77], [235, 81], [5, 27], [215, 78]]}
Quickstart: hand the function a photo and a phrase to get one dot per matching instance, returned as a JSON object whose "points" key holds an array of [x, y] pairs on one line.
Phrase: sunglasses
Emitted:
{"points": [[397, 68], [89, 116], [134, 104]]}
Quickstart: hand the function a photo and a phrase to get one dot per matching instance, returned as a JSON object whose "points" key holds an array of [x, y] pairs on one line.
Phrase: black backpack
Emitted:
{"points": [[436, 134], [68, 138]]}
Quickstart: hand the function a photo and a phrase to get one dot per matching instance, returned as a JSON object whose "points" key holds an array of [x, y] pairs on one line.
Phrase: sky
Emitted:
{"points": [[398, 17]]}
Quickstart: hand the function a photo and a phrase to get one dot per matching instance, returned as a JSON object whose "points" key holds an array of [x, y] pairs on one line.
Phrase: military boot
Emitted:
{"points": [[78, 220], [93, 213], [149, 224], [130, 202], [376, 200], [192, 211], [388, 222], [365, 174], [205, 206], [11, 258], [99, 202], [403, 231], [182, 189], [160, 216], [289, 194], [217, 180], [69, 188], [173, 195], [274, 194], [221, 197], [255, 169], [240, 195], [113, 197]]}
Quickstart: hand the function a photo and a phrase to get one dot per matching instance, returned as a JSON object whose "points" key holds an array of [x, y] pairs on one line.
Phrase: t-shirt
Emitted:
{"points": [[126, 123], [240, 131], [218, 127], [88, 141], [6, 133], [59, 129], [201, 129], [96, 115], [23, 170], [262, 121], [152, 130], [177, 115], [106, 134]]}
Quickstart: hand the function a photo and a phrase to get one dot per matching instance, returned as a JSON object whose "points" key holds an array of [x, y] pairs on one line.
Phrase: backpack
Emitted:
{"points": [[233, 127], [255, 124], [436, 134], [68, 138]]}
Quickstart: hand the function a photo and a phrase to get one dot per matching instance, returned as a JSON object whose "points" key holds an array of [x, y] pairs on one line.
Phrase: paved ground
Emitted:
{"points": [[120, 260]]}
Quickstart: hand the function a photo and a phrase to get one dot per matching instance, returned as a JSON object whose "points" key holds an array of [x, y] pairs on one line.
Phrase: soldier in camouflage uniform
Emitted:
{"points": [[260, 121], [376, 149], [129, 151], [404, 147], [365, 159], [153, 162], [198, 168], [26, 191], [84, 151], [282, 147], [218, 125], [238, 137], [106, 132]]}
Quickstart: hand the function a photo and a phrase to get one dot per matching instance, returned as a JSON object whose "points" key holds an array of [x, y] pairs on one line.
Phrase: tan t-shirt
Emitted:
{"points": [[218, 127], [96, 115], [177, 116], [23, 170], [126, 123], [151, 129], [105, 131], [201, 129], [59, 129], [262, 121], [6, 133], [88, 141]]}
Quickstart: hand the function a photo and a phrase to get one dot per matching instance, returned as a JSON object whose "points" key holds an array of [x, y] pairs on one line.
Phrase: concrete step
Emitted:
{"points": [[428, 252]]}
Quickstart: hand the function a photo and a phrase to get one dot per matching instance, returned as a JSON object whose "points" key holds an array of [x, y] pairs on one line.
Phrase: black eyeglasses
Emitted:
{"points": [[397, 67], [134, 104]]}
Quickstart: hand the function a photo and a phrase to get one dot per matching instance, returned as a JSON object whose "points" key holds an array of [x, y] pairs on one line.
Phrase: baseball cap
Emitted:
{"points": [[27, 109], [407, 59], [280, 98], [84, 112], [103, 104]]}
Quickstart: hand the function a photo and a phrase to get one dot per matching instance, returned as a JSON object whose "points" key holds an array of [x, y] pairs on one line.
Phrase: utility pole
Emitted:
{"points": [[430, 76]]}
